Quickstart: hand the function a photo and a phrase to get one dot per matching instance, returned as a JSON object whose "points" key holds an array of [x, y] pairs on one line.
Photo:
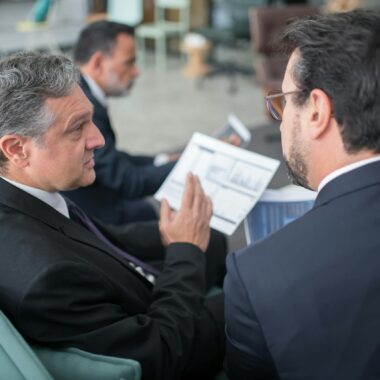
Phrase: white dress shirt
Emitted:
{"points": [[54, 200], [346, 169]]}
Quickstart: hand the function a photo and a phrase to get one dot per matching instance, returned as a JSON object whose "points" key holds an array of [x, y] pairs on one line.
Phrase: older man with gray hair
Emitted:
{"points": [[67, 280]]}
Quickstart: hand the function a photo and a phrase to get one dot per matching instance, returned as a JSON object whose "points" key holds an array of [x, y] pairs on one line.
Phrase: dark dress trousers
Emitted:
{"points": [[120, 177], [62, 286], [305, 302]]}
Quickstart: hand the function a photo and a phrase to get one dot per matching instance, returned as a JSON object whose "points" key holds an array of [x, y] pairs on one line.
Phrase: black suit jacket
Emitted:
{"points": [[62, 286], [119, 175], [305, 302]]}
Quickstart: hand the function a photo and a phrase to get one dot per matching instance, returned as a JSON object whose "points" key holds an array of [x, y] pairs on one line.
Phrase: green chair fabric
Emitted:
{"points": [[71, 363], [19, 362]]}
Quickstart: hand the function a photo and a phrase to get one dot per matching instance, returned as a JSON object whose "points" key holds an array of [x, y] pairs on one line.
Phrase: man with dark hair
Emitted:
{"points": [[304, 303], [105, 55], [66, 280]]}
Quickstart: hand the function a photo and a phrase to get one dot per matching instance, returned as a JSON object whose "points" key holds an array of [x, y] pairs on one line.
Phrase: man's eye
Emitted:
{"points": [[130, 63], [78, 128]]}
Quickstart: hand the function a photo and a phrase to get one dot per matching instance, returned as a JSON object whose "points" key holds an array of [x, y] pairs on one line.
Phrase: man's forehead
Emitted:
{"points": [[75, 102], [126, 40], [288, 81]]}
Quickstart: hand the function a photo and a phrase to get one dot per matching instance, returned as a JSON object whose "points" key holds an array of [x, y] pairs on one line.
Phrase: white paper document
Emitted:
{"points": [[234, 178], [275, 209]]}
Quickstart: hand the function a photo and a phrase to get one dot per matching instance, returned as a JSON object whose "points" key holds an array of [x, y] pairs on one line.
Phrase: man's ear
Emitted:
{"points": [[320, 113], [96, 62], [15, 149]]}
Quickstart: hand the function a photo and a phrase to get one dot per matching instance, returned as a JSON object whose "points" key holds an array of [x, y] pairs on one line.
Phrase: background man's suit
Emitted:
{"points": [[119, 177], [60, 285], [305, 302]]}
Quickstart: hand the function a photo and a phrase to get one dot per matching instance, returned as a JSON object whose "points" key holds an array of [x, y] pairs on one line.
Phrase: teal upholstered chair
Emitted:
{"points": [[19, 361], [40, 10]]}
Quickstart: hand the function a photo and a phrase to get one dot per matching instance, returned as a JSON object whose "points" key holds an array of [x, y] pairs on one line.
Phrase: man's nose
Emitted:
{"points": [[136, 71], [96, 139]]}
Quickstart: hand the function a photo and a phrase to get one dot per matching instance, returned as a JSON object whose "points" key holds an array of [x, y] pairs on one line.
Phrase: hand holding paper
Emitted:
{"points": [[191, 224], [234, 178]]}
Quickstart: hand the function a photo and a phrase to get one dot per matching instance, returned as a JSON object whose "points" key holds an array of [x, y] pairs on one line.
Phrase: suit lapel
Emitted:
{"points": [[25, 203], [97, 105], [101, 118]]}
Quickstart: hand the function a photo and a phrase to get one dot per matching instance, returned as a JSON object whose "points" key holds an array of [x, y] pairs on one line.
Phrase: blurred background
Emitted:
{"points": [[213, 62]]}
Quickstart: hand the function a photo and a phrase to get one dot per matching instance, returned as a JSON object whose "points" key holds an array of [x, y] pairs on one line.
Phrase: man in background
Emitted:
{"points": [[105, 55], [304, 303]]}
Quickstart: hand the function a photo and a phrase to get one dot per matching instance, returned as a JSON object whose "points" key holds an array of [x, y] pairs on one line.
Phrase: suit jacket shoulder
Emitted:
{"points": [[301, 283]]}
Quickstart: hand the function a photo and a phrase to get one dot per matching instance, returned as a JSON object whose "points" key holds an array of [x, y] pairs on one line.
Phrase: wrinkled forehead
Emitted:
{"points": [[75, 103]]}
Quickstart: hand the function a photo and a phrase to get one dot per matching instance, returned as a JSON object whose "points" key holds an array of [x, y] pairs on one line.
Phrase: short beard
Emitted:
{"points": [[115, 89], [296, 163], [297, 172]]}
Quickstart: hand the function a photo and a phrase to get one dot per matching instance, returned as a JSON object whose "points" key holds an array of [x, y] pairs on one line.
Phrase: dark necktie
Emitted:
{"points": [[142, 268]]}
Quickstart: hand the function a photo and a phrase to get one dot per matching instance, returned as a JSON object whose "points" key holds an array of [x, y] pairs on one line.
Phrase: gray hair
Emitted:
{"points": [[26, 81]]}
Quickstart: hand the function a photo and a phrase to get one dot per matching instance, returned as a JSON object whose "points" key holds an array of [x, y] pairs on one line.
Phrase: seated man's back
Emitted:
{"points": [[303, 303]]}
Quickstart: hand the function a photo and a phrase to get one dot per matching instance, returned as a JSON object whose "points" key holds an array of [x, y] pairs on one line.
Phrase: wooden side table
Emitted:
{"points": [[196, 66]]}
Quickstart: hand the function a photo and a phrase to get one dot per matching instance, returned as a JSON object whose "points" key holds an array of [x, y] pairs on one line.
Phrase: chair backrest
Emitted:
{"points": [[275, 209], [239, 14], [182, 6], [19, 361], [266, 24], [128, 12]]}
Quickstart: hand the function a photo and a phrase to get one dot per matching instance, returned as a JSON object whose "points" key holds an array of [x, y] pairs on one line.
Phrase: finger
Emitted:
{"points": [[199, 196], [165, 211], [188, 192], [209, 207]]}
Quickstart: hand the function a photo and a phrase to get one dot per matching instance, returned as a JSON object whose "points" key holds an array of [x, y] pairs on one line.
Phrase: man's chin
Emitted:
{"points": [[83, 182], [120, 92], [298, 179]]}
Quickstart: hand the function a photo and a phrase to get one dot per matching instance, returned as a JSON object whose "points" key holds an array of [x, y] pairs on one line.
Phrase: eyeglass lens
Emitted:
{"points": [[276, 105]]}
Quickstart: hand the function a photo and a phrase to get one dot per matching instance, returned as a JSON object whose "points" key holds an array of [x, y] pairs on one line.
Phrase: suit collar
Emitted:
{"points": [[26, 204], [96, 90], [352, 181], [87, 90]]}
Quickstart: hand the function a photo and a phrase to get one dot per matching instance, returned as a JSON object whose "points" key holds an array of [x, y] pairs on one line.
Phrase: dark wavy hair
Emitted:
{"points": [[340, 54]]}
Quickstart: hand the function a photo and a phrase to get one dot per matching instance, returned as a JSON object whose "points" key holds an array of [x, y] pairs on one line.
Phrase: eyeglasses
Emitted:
{"points": [[275, 101]]}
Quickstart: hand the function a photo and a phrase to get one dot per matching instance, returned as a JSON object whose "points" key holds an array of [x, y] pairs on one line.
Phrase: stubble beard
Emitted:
{"points": [[296, 162]]}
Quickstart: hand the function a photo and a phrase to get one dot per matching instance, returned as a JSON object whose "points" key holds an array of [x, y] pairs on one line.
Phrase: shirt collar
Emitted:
{"points": [[346, 169], [54, 200], [96, 90]]}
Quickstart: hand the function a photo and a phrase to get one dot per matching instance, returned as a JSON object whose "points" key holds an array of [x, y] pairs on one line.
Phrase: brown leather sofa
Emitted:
{"points": [[266, 24]]}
